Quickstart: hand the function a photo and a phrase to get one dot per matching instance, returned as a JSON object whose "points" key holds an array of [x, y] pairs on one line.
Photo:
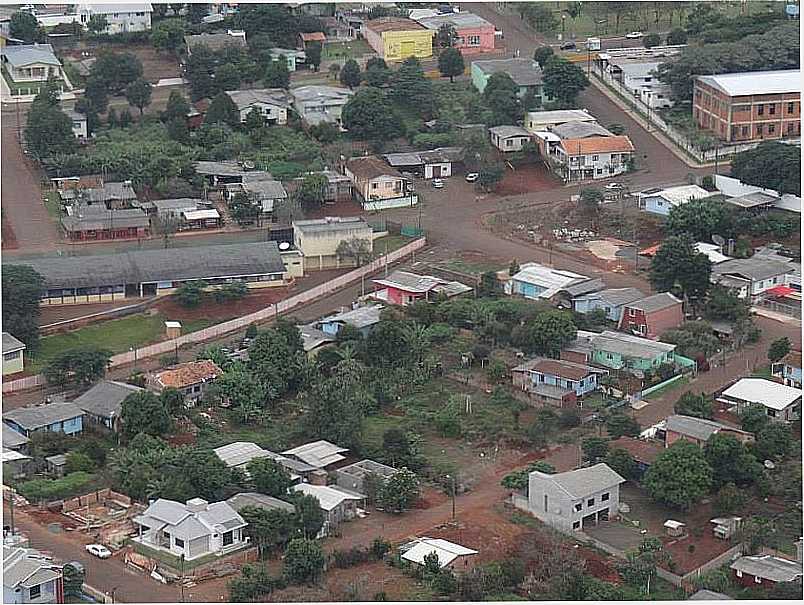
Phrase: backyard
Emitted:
{"points": [[334, 51]]}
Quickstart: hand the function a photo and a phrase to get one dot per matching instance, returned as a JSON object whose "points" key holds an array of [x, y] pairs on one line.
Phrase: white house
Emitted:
{"points": [[194, 529], [317, 104], [573, 500], [782, 403], [80, 128], [640, 79], [753, 277], [660, 201], [120, 18], [540, 121], [319, 454], [450, 555], [337, 504], [13, 354], [293, 57], [509, 138], [734, 188], [30, 577], [271, 103], [31, 63], [540, 282]]}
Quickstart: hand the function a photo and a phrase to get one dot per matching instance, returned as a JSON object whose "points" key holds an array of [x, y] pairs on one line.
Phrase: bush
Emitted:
{"points": [[41, 490]]}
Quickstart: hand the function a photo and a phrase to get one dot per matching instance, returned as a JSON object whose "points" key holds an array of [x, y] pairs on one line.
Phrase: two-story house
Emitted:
{"points": [[190, 378], [545, 121], [574, 500], [376, 185], [526, 74], [652, 316], [29, 66], [59, 417], [318, 239], [191, 530], [473, 34], [271, 103], [13, 354], [597, 157], [120, 18], [317, 104], [619, 351], [611, 301], [788, 370], [572, 380], [31, 577]]}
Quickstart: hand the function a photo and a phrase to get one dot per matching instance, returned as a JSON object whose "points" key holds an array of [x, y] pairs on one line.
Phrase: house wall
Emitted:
{"points": [[13, 362], [441, 170], [473, 40], [581, 387], [560, 512], [614, 313], [379, 188], [463, 563], [80, 129], [272, 114], [35, 72], [748, 581], [49, 592], [672, 436], [617, 361], [122, 22], [71, 426], [591, 166], [321, 247], [399, 45], [108, 234], [651, 325], [526, 289], [656, 204], [790, 375], [508, 143], [789, 414]]}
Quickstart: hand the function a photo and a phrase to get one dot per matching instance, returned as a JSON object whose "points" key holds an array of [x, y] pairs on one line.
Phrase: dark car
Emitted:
{"points": [[568, 46]]}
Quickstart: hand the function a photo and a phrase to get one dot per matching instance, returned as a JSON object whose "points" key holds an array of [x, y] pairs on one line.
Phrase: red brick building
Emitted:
{"points": [[652, 316], [749, 106]]}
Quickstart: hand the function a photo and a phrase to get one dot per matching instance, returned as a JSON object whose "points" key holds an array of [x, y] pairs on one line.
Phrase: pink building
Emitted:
{"points": [[475, 34]]}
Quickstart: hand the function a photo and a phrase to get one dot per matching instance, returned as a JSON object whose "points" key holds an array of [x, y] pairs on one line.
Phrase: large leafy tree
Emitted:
{"points": [[350, 74], [309, 516], [138, 94], [168, 34], [303, 561], [772, 165], [116, 70], [698, 406], [501, 97], [542, 55], [312, 50], [145, 412], [547, 334], [276, 358], [23, 287], [399, 491], [269, 477], [368, 115], [24, 26], [376, 72], [563, 80], [268, 528], [773, 441], [222, 110], [622, 462], [238, 387], [680, 476], [678, 266], [701, 219], [277, 73], [778, 349], [78, 366], [411, 88], [48, 130], [619, 424], [450, 63], [177, 107], [731, 461]]}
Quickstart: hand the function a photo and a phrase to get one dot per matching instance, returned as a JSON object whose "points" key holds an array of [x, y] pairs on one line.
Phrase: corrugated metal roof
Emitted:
{"points": [[11, 344], [584, 481], [698, 428], [445, 550], [756, 82], [771, 394], [36, 417], [753, 268], [361, 317], [630, 346], [246, 499], [26, 54], [319, 453], [524, 72], [11, 438], [329, 497], [615, 297], [506, 132], [769, 567], [105, 399], [241, 453], [656, 302]]}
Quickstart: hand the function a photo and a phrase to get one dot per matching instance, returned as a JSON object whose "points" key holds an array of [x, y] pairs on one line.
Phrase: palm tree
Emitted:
{"points": [[417, 339]]}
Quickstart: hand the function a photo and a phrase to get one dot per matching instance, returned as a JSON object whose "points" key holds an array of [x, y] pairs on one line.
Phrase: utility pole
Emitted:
{"points": [[181, 580], [11, 510]]}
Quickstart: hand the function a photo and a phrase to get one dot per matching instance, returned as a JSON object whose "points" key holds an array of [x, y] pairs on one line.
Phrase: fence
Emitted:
{"points": [[227, 327], [77, 322], [777, 307]]}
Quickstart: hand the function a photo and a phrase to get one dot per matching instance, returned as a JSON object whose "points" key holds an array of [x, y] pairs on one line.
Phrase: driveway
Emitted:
{"points": [[616, 534]]}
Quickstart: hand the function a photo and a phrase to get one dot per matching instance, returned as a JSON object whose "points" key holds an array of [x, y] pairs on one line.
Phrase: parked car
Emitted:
{"points": [[438, 183], [568, 46], [98, 550], [612, 186], [634, 35], [472, 177]]}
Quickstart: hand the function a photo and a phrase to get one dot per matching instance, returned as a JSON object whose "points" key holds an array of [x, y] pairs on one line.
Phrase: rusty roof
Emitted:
{"points": [[371, 167], [641, 450], [186, 374], [618, 144], [393, 24]]}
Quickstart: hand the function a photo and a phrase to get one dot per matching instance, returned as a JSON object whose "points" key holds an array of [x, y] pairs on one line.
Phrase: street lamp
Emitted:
{"points": [[563, 24]]}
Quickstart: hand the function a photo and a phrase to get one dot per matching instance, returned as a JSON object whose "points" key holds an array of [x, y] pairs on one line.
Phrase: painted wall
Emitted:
{"points": [[13, 362], [552, 505]]}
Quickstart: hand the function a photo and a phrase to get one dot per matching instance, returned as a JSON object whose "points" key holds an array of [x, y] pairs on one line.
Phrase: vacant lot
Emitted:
{"points": [[335, 51]]}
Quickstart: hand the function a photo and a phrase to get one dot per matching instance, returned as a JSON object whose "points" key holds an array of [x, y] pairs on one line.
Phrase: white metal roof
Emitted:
{"points": [[546, 277], [679, 195], [559, 116], [318, 453], [756, 82], [712, 252], [671, 524], [445, 550], [329, 497], [195, 215], [771, 394], [240, 453]]}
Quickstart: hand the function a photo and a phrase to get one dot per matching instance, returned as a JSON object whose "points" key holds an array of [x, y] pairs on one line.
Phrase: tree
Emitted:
{"points": [[445, 36], [377, 73], [243, 210], [116, 70], [138, 94], [676, 36], [222, 110], [563, 81], [81, 367], [773, 441], [700, 219], [24, 26], [350, 74], [168, 34], [97, 24], [641, 564], [651, 40], [227, 77], [368, 115], [754, 419], [312, 50], [542, 55], [786, 591], [48, 130], [22, 290], [547, 334], [276, 358], [411, 88], [501, 95], [680, 476], [269, 477], [79, 462], [778, 349], [177, 107], [698, 406], [538, 15], [490, 175], [450, 63], [355, 248], [309, 516], [144, 412], [303, 561], [623, 463], [268, 528], [678, 266], [191, 293], [311, 191], [277, 74], [399, 491], [619, 424], [589, 203], [731, 461], [594, 449]]}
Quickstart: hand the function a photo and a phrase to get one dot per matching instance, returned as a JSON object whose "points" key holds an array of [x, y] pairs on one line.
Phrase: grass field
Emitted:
{"points": [[345, 50]]}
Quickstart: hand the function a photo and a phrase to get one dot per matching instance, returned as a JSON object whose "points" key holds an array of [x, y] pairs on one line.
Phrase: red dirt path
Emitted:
{"points": [[9, 240], [526, 179]]}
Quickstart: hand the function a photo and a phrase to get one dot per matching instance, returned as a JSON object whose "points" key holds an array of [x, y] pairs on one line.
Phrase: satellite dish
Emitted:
{"points": [[769, 464], [284, 246], [719, 239], [248, 165]]}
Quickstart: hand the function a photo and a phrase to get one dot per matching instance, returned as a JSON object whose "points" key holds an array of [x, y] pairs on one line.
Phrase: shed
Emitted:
{"points": [[674, 528]]}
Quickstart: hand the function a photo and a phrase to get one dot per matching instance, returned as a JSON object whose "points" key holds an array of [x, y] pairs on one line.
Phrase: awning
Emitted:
{"points": [[780, 291]]}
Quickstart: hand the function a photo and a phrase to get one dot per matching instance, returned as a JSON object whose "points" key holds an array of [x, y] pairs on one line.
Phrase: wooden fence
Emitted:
{"points": [[240, 323]]}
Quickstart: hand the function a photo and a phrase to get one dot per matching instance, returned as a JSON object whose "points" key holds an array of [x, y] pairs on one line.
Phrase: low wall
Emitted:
{"points": [[661, 385], [101, 495], [79, 322]]}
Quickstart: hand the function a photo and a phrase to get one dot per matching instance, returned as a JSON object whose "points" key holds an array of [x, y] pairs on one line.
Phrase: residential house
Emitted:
{"points": [[438, 163], [190, 378], [222, 173], [573, 380], [294, 58], [12, 440], [377, 186], [317, 104], [564, 297], [363, 319], [525, 73], [788, 370], [338, 187], [314, 339], [103, 403], [640, 79], [80, 127], [254, 500], [356, 477], [16, 464], [59, 417], [157, 272], [316, 37], [660, 201], [752, 106], [753, 277], [545, 121], [173, 208], [573, 500], [709, 595], [643, 451], [268, 194], [451, 556], [337, 504], [31, 577], [191, 530], [318, 239], [509, 138], [120, 18], [240, 453], [404, 288], [216, 42], [611, 301], [29, 66], [111, 195], [765, 571], [593, 157], [473, 33], [652, 316], [397, 38], [618, 351], [97, 223], [540, 282], [711, 251], [782, 403], [271, 103], [734, 188], [319, 454], [56, 465], [699, 430], [13, 354]]}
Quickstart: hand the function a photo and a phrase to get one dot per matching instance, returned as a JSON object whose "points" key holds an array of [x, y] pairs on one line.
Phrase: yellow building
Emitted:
{"points": [[13, 352], [397, 38]]}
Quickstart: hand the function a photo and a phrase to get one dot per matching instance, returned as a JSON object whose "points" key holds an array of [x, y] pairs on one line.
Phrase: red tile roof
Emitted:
{"points": [[187, 374], [314, 37], [618, 144], [562, 369], [642, 450]]}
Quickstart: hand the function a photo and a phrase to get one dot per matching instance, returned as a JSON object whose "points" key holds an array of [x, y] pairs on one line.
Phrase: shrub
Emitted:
{"points": [[39, 490]]}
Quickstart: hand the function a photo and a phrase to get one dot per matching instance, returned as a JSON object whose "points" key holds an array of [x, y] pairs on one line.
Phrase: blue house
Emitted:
{"points": [[789, 369], [576, 377], [660, 201], [362, 318], [612, 301], [540, 282], [59, 417]]}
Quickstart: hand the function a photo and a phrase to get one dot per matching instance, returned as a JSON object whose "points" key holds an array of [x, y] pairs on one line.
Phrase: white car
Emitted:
{"points": [[438, 183], [633, 35], [98, 550], [613, 186], [472, 177]]}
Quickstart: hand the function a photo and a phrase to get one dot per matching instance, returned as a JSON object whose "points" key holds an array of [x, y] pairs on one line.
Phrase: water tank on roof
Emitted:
{"points": [[284, 246]]}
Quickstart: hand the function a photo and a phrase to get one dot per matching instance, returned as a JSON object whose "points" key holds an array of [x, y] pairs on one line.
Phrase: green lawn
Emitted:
{"points": [[763, 372], [345, 50], [53, 204], [389, 243], [171, 560]]}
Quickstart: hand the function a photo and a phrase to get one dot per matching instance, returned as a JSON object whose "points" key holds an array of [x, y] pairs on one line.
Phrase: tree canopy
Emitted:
{"points": [[771, 165], [450, 63], [48, 130], [563, 80], [680, 476], [368, 115], [678, 266], [145, 412], [23, 287]]}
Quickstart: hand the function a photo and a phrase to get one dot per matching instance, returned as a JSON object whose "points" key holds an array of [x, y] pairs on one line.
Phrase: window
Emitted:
{"points": [[228, 538], [590, 502], [744, 131], [474, 40], [36, 591], [790, 127], [772, 108], [739, 574], [791, 107], [604, 497], [545, 503], [594, 158], [11, 356], [631, 312], [578, 507], [374, 185], [759, 129], [757, 579], [179, 542], [576, 525], [771, 128], [760, 110]]}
